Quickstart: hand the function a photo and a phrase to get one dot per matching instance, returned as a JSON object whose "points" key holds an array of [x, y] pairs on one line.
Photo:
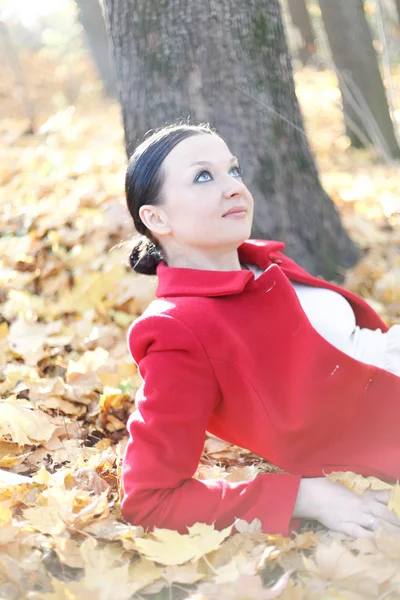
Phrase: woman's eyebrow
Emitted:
{"points": [[207, 162]]}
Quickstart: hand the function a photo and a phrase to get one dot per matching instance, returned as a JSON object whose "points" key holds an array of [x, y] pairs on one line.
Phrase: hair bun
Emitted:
{"points": [[145, 257]]}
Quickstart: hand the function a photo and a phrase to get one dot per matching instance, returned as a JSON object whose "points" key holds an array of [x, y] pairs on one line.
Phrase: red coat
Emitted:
{"points": [[237, 356]]}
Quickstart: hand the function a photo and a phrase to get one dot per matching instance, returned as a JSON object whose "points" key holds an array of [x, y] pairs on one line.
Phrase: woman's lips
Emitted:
{"points": [[236, 215]]}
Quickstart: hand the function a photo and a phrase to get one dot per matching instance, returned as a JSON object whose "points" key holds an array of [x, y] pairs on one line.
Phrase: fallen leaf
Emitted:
{"points": [[168, 547], [25, 426], [358, 483]]}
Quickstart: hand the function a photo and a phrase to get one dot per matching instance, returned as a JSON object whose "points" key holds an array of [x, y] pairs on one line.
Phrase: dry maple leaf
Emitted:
{"points": [[143, 573], [359, 483], [169, 547], [363, 573], [245, 587], [26, 426], [5, 514], [243, 526], [7, 478], [68, 551], [187, 574], [238, 474], [112, 576], [87, 479], [28, 339], [240, 564], [45, 519]]}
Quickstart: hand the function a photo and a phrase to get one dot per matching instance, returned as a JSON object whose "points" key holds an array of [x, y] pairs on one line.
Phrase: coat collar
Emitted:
{"points": [[180, 281]]}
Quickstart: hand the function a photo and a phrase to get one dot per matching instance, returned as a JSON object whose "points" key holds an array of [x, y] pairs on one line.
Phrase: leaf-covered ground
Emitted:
{"points": [[67, 382]]}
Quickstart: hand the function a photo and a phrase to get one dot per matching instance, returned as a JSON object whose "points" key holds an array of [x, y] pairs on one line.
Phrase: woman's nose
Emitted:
{"points": [[234, 187]]}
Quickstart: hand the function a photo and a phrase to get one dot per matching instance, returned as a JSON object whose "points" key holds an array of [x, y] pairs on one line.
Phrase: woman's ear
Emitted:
{"points": [[154, 219]]}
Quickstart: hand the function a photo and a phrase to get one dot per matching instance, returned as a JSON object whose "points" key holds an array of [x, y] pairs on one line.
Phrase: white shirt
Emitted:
{"points": [[332, 316]]}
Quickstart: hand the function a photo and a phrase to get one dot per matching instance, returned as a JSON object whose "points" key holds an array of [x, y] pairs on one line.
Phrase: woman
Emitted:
{"points": [[244, 343]]}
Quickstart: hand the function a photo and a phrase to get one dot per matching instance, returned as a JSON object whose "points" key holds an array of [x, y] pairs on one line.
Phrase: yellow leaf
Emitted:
{"points": [[89, 290], [8, 478], [101, 574], [27, 339], [10, 455], [239, 564], [42, 476], [20, 303], [5, 514], [8, 461], [121, 318], [182, 573], [394, 499], [89, 361], [45, 519], [245, 587], [69, 551], [112, 398], [243, 526], [169, 547], [143, 572], [246, 473], [358, 483], [25, 426]]}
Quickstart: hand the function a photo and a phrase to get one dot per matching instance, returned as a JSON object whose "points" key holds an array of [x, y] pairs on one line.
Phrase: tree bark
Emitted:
{"points": [[228, 64], [301, 19], [398, 8], [365, 105], [91, 18]]}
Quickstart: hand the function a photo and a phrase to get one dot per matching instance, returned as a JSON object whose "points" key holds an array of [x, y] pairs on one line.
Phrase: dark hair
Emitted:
{"points": [[143, 183]]}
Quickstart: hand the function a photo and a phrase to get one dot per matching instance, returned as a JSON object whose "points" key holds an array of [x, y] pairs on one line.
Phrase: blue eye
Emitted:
{"points": [[239, 170], [197, 178], [205, 172]]}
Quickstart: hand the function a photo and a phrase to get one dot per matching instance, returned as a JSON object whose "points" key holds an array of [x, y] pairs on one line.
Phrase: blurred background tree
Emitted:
{"points": [[53, 50], [365, 106], [398, 8], [302, 21], [21, 92], [91, 17]]}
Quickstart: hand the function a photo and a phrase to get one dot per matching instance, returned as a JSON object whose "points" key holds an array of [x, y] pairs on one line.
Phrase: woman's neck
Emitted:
{"points": [[228, 261]]}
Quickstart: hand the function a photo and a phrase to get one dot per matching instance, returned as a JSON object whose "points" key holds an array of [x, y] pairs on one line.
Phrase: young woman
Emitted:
{"points": [[244, 343]]}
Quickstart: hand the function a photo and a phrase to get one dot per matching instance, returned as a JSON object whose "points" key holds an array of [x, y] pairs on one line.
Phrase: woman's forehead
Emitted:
{"points": [[199, 147]]}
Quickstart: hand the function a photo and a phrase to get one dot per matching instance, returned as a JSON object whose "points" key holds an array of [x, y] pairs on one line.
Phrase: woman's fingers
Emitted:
{"points": [[382, 496], [382, 512], [386, 526], [357, 531], [368, 521]]}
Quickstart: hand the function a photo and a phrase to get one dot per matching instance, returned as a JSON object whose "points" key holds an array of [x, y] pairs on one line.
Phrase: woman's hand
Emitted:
{"points": [[341, 509]]}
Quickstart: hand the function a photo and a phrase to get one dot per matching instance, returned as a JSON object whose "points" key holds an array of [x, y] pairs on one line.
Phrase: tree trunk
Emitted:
{"points": [[365, 105], [20, 89], [301, 19], [398, 8], [229, 65], [91, 18]]}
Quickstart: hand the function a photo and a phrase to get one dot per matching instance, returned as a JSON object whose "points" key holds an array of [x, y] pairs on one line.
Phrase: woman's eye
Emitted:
{"points": [[200, 175], [238, 170]]}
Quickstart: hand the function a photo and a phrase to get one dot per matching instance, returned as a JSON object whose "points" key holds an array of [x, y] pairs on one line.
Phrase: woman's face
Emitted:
{"points": [[202, 182]]}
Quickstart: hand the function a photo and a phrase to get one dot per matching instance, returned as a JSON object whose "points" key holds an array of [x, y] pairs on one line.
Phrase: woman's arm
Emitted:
{"points": [[166, 438]]}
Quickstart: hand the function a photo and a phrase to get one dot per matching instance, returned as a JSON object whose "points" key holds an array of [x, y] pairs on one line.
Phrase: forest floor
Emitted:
{"points": [[67, 386]]}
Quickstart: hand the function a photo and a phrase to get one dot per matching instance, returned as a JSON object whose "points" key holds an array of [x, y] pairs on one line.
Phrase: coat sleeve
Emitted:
{"points": [[179, 391]]}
